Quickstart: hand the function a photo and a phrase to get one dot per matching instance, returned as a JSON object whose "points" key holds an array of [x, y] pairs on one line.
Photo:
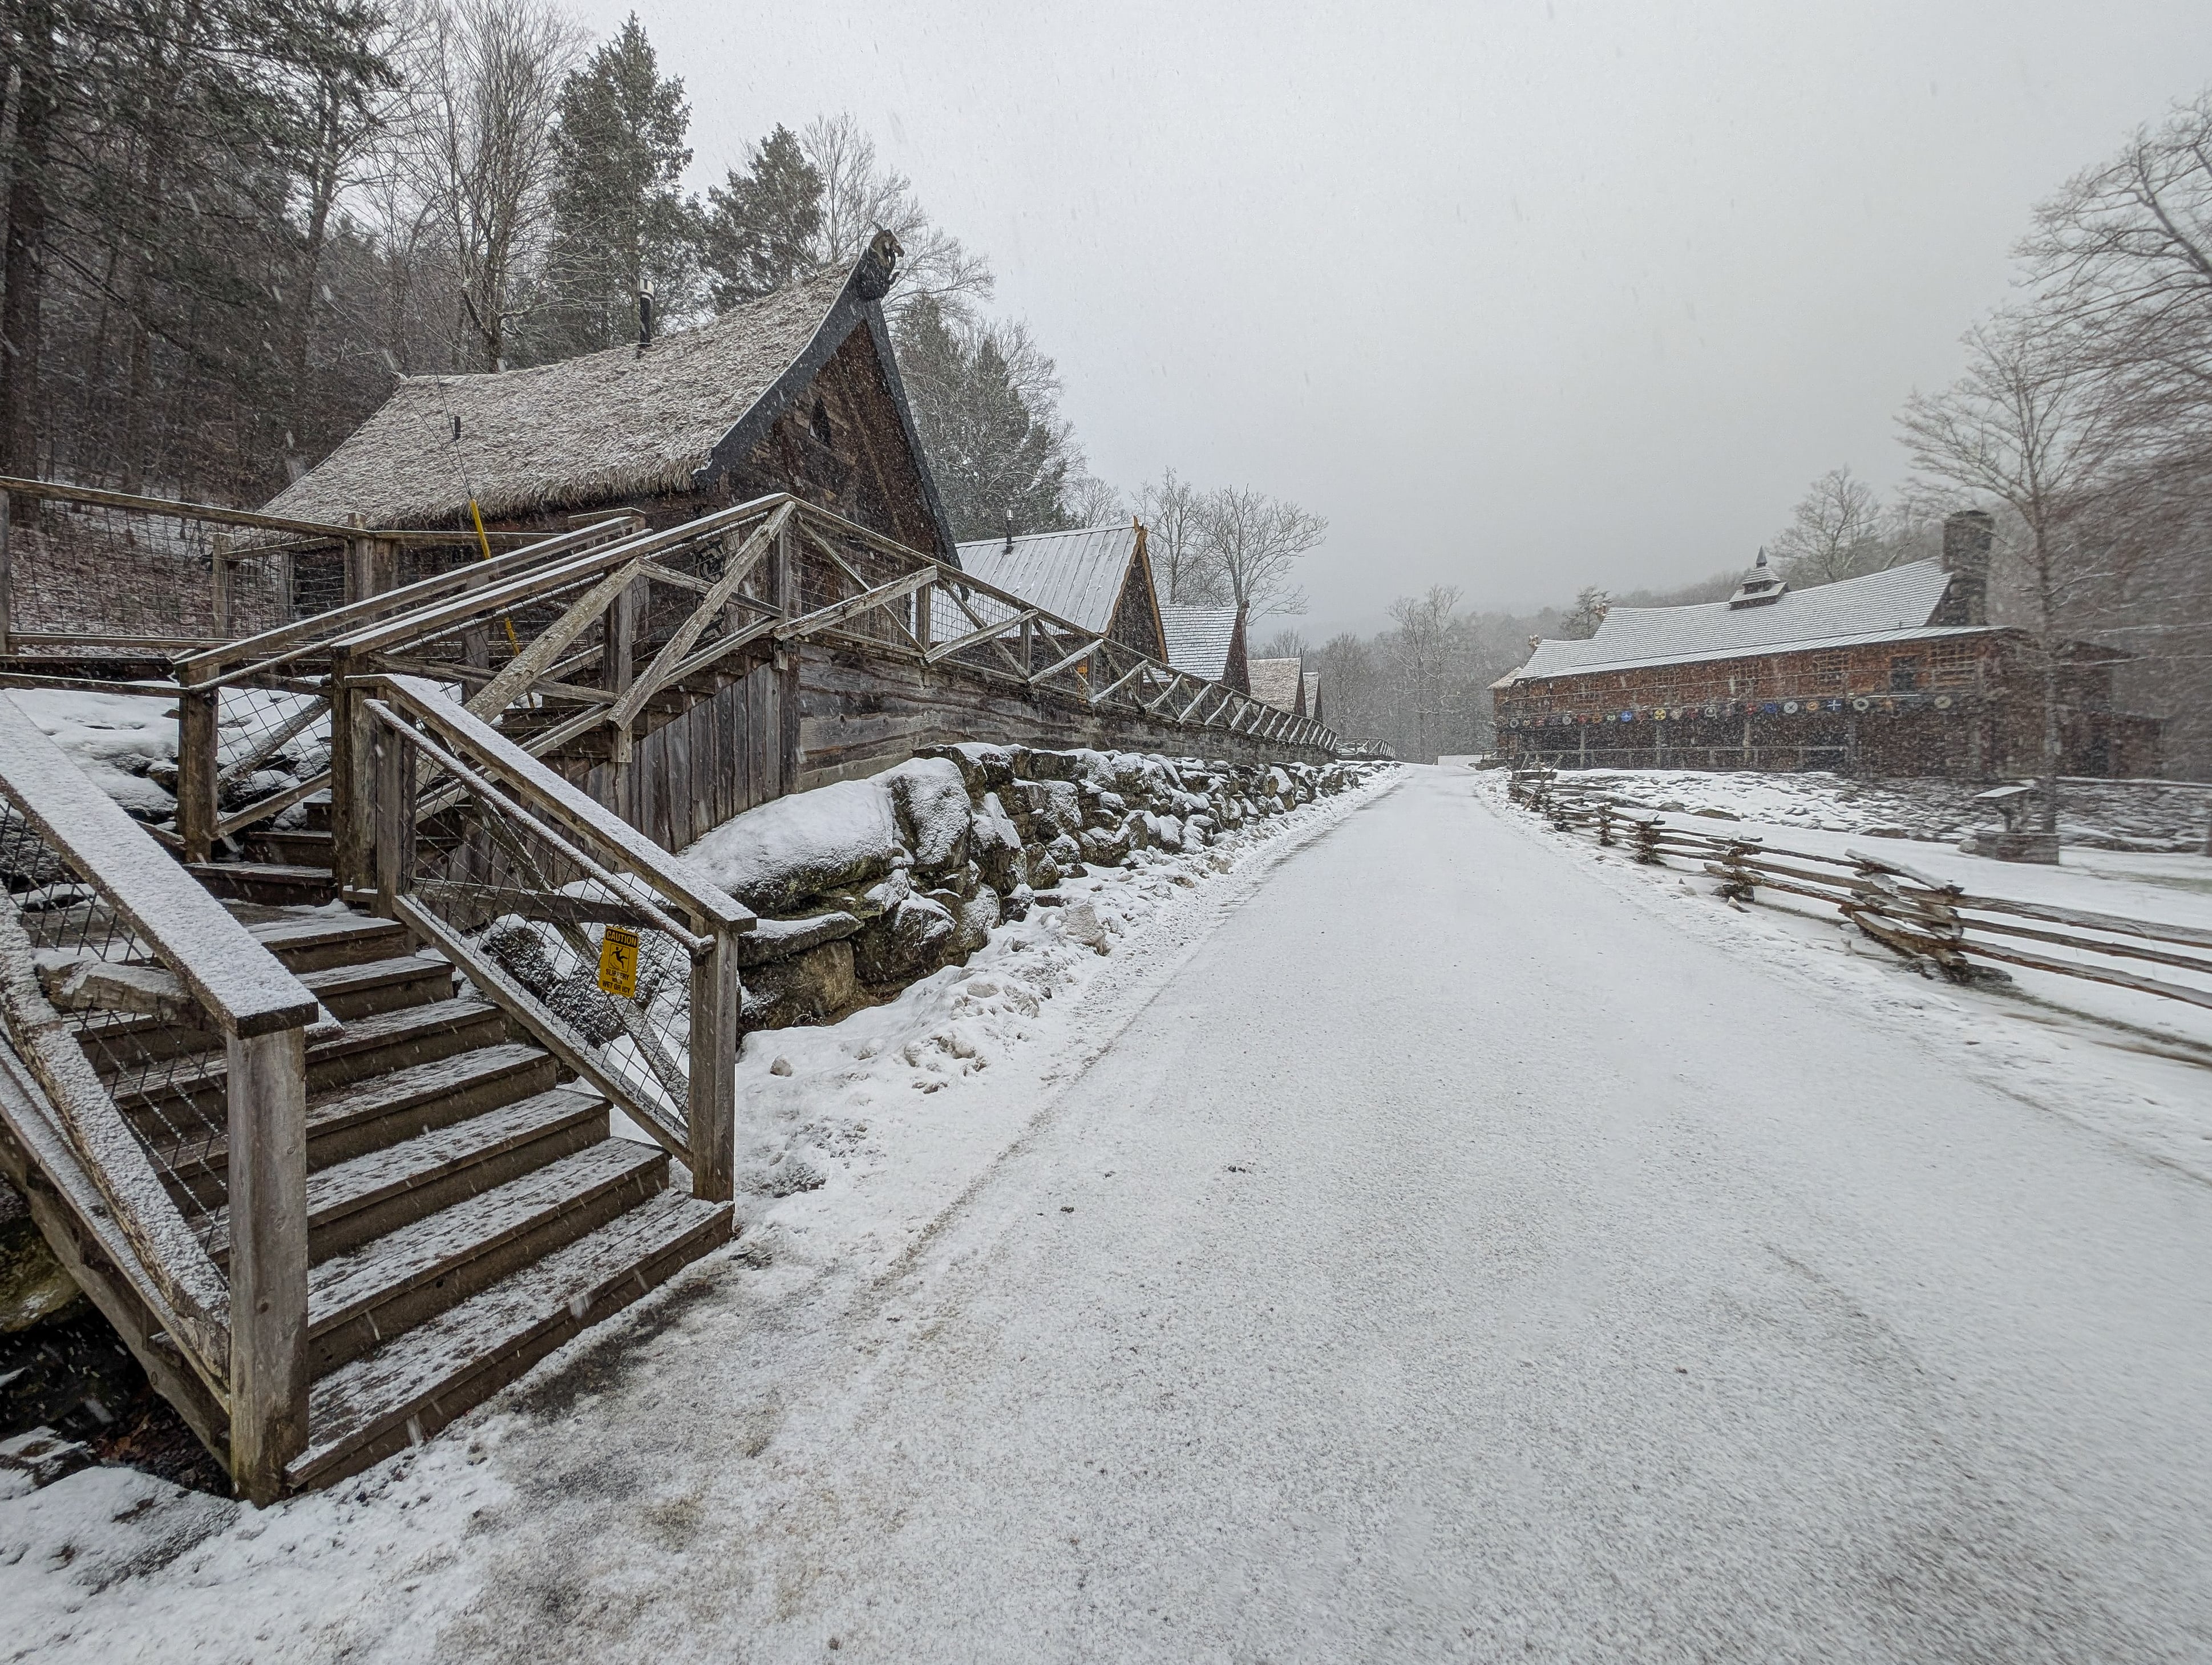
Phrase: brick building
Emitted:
{"points": [[1897, 672]]}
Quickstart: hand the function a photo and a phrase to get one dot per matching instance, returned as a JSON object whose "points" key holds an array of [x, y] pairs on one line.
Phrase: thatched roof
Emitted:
{"points": [[628, 422]]}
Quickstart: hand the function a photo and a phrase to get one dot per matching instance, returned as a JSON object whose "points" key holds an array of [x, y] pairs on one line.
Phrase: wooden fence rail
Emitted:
{"points": [[1915, 916]]}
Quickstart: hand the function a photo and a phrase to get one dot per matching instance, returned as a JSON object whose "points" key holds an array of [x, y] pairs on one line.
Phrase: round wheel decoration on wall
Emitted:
{"points": [[1789, 706], [1861, 704], [1943, 701]]}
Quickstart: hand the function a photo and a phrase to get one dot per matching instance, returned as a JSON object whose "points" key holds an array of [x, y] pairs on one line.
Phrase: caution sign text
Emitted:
{"points": [[618, 963]]}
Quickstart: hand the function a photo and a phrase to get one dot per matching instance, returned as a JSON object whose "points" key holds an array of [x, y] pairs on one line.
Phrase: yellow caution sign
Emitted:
{"points": [[618, 963]]}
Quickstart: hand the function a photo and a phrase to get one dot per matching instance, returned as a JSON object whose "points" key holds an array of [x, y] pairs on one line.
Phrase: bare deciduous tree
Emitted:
{"points": [[1254, 543], [483, 157], [1833, 533], [2124, 256], [1174, 514], [860, 194], [2026, 424]]}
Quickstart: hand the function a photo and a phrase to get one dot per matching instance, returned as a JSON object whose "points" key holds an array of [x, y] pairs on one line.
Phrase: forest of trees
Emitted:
{"points": [[229, 228]]}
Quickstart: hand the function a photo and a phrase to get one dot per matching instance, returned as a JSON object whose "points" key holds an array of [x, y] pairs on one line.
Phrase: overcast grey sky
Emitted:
{"points": [[1522, 296]]}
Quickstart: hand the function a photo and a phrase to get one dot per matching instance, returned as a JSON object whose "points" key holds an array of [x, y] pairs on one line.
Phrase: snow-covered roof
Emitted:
{"points": [[1312, 706], [666, 419], [1275, 681], [1880, 605], [1074, 576], [1198, 638]]}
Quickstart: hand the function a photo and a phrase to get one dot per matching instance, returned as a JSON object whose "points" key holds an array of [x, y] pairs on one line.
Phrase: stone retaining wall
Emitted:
{"points": [[864, 886]]}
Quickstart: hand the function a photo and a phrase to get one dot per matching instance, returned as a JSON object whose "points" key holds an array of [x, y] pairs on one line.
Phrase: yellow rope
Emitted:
{"points": [[484, 544]]}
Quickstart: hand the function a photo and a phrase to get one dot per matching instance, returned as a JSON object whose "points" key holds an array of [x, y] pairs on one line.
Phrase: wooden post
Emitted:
{"points": [[359, 582], [925, 613], [353, 792], [713, 1120], [7, 570], [268, 1172], [197, 802], [395, 819], [786, 660], [219, 575]]}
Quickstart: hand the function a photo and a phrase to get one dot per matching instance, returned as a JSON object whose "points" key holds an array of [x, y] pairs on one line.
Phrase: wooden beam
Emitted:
{"points": [[534, 661], [1067, 660], [734, 573]]}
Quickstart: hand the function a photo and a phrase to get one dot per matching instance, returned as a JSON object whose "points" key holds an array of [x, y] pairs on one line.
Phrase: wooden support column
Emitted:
{"points": [[357, 581], [395, 819], [197, 801], [618, 670], [7, 571], [219, 576], [353, 791], [712, 1122], [268, 1171], [787, 591]]}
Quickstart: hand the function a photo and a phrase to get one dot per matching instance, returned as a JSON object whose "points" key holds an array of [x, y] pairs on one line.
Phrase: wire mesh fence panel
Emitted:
{"points": [[579, 940], [160, 1058], [82, 568]]}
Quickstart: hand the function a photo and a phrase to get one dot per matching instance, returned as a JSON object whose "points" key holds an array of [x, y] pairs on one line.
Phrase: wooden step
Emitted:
{"points": [[351, 1202], [357, 1301], [378, 1112], [367, 988], [360, 989], [315, 941], [415, 1383], [194, 1090], [294, 847], [317, 812], [276, 883]]}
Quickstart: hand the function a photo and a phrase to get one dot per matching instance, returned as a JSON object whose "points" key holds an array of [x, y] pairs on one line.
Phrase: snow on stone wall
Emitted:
{"points": [[868, 886]]}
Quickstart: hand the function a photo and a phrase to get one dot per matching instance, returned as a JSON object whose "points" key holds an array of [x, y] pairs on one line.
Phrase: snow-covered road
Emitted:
{"points": [[1451, 1258]]}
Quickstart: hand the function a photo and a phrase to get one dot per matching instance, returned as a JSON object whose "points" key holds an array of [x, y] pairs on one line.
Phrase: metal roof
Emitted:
{"points": [[1275, 681], [1864, 639], [1074, 576], [1198, 638], [1896, 603]]}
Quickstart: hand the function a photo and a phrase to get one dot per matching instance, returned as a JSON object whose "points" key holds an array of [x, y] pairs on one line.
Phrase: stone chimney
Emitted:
{"points": [[1967, 536]]}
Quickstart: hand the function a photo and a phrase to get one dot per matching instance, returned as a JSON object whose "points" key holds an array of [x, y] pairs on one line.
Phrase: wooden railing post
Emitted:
{"points": [[712, 1123], [268, 1174], [395, 819], [219, 577], [353, 792], [197, 796]]}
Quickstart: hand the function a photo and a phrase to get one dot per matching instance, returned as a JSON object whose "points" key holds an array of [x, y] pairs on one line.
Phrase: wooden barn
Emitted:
{"points": [[1897, 672], [1208, 642], [1097, 577], [797, 391]]}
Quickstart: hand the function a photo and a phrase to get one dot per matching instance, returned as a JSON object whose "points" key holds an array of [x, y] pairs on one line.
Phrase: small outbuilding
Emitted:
{"points": [[1281, 683], [1207, 643], [1097, 578]]}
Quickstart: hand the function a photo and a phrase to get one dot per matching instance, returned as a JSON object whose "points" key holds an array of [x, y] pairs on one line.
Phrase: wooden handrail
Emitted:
{"points": [[56, 491], [259, 654], [241, 983], [541, 787]]}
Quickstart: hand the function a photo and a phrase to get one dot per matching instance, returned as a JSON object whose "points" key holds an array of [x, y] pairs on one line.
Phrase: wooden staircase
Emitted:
{"points": [[467, 1209]]}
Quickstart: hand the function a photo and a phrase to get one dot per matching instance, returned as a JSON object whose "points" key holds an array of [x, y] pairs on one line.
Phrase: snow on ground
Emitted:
{"points": [[853, 1137], [2136, 1067], [2140, 815], [127, 743]]}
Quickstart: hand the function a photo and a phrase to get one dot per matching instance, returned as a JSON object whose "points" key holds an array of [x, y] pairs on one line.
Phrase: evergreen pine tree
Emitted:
{"points": [[620, 221], [999, 461], [761, 227]]}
